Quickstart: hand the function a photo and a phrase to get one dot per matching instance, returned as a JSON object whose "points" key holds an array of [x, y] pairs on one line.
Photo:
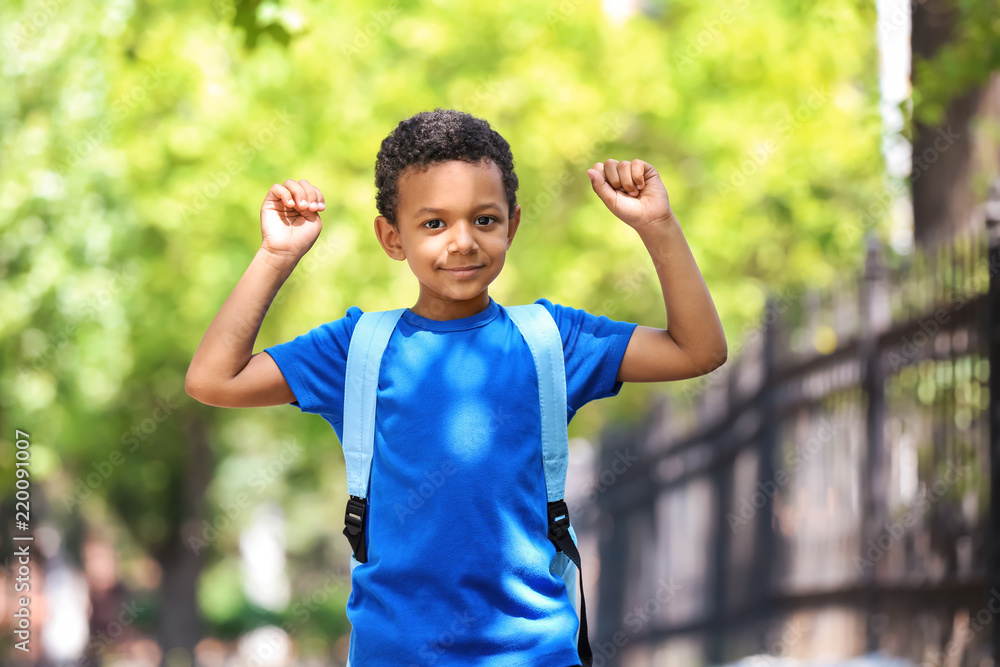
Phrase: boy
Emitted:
{"points": [[462, 576]]}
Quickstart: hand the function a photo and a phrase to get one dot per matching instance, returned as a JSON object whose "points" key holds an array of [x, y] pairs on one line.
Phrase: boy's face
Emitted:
{"points": [[451, 216]]}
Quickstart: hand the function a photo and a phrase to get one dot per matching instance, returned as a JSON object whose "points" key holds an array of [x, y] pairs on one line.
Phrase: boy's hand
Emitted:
{"points": [[633, 191], [289, 219]]}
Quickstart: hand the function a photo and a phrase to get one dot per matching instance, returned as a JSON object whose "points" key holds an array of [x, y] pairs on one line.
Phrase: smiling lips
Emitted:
{"points": [[464, 271]]}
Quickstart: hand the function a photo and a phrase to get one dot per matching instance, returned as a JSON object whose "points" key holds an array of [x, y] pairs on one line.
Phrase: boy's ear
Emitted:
{"points": [[388, 236], [512, 224]]}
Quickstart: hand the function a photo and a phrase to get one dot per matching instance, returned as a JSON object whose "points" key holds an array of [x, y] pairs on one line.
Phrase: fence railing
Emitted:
{"points": [[829, 490]]}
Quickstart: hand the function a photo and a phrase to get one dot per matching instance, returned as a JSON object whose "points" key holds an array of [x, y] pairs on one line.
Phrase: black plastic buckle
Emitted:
{"points": [[558, 522], [354, 527]]}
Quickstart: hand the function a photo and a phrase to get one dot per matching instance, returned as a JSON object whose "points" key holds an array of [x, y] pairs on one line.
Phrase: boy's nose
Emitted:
{"points": [[463, 240]]}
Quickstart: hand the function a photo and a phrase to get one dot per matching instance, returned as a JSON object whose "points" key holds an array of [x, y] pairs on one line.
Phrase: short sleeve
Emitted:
{"points": [[593, 347], [315, 363]]}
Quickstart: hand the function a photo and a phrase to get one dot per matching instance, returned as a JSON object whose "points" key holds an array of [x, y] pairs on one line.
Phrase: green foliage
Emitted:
{"points": [[140, 139], [962, 64]]}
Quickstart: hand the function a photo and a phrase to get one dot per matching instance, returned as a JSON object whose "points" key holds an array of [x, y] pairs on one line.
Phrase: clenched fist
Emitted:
{"points": [[633, 191], [289, 218]]}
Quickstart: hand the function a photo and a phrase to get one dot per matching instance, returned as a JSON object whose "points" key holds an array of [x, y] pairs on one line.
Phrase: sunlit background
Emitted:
{"points": [[823, 498]]}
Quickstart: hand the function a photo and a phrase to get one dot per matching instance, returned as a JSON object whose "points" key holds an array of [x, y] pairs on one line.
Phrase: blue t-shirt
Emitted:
{"points": [[457, 530]]}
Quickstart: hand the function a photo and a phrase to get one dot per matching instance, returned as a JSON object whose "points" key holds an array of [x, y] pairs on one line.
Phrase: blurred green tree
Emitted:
{"points": [[140, 139], [955, 48]]}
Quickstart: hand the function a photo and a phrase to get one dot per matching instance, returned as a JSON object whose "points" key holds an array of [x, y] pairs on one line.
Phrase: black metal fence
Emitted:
{"points": [[827, 492]]}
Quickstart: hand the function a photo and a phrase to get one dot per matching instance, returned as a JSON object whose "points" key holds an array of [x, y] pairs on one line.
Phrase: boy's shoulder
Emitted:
{"points": [[559, 310], [571, 317], [567, 319], [346, 323], [331, 335]]}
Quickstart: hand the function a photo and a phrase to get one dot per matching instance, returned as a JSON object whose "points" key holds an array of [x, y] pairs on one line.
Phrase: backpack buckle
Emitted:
{"points": [[354, 527], [558, 522]]}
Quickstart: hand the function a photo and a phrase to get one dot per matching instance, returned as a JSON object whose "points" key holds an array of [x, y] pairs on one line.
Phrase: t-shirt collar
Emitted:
{"points": [[481, 318]]}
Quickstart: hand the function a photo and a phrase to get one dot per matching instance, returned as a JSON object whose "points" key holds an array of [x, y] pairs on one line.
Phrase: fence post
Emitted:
{"points": [[871, 325], [722, 479], [993, 345], [764, 537]]}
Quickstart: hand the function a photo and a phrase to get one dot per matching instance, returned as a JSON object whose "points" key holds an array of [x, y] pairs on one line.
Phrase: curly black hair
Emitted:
{"points": [[430, 137]]}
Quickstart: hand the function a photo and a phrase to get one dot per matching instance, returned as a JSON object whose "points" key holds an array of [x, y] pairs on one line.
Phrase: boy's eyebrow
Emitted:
{"points": [[428, 209]]}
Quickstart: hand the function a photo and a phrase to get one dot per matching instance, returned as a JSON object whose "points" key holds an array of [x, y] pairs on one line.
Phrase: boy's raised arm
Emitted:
{"points": [[224, 371], [694, 343]]}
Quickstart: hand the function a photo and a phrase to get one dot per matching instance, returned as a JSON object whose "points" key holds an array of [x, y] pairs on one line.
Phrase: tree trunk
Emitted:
{"points": [[180, 619], [938, 173], [948, 157]]}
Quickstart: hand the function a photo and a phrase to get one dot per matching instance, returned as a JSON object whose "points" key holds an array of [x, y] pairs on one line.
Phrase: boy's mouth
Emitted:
{"points": [[464, 271]]}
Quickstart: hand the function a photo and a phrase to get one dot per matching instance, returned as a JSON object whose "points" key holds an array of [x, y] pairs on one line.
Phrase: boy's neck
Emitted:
{"points": [[444, 310]]}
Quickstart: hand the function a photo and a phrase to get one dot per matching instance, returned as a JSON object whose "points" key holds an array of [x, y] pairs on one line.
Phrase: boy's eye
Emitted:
{"points": [[432, 224]]}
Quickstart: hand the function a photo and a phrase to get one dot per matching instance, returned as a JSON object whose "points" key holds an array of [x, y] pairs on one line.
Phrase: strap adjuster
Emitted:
{"points": [[559, 534], [558, 522], [354, 527]]}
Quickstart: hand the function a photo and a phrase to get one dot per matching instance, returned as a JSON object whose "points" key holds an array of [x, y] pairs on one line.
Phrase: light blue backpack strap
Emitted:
{"points": [[364, 357], [542, 335]]}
